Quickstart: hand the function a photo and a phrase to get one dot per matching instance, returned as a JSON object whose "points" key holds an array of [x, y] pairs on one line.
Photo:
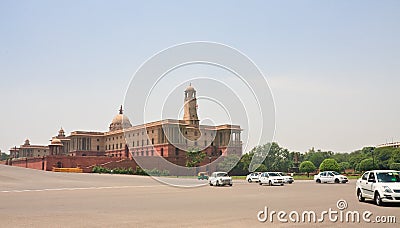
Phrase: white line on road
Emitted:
{"points": [[85, 188]]}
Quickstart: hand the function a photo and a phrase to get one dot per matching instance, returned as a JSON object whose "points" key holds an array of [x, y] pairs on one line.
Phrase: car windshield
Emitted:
{"points": [[222, 174], [273, 174], [336, 173], [388, 177]]}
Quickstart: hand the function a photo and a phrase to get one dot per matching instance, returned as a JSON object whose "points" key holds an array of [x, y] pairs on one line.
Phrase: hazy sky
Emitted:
{"points": [[333, 66]]}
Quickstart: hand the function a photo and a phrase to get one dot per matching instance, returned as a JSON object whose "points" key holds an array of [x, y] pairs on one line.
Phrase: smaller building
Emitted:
{"points": [[392, 144], [29, 151]]}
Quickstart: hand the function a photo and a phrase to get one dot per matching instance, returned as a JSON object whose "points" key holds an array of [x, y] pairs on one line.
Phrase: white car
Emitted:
{"points": [[380, 185], [271, 178], [330, 177], [286, 178], [253, 177], [220, 179]]}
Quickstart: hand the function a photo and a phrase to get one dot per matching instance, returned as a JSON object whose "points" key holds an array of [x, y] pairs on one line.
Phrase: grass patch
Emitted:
{"points": [[238, 177], [353, 177], [311, 177]]}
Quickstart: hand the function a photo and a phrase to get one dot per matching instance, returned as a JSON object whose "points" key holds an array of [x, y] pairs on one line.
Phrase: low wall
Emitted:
{"points": [[32, 163], [84, 162], [88, 162], [47, 163]]}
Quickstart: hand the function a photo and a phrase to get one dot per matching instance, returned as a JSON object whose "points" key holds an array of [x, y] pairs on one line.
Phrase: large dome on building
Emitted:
{"points": [[120, 121], [56, 141]]}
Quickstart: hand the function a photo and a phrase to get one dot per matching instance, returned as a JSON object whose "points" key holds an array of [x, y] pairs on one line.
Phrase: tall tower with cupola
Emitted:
{"points": [[190, 107]]}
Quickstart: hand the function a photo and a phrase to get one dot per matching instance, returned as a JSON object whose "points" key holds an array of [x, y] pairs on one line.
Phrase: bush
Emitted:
{"points": [[329, 164], [138, 171], [395, 166], [156, 172], [100, 169], [307, 167]]}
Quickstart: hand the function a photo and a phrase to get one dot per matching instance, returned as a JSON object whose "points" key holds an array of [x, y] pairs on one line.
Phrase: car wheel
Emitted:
{"points": [[378, 199], [359, 196], [249, 180], [337, 181], [318, 181], [260, 183], [210, 184], [270, 183], [230, 185], [217, 183], [281, 184]]}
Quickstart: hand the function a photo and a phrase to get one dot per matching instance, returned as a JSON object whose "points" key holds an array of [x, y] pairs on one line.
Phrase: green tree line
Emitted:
{"points": [[281, 159]]}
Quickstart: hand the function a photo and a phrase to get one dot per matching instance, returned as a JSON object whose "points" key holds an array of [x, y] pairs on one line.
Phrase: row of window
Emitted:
{"points": [[143, 153], [113, 146], [129, 135]]}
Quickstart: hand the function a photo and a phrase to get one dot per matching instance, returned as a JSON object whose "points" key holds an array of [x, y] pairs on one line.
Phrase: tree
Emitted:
{"points": [[316, 157], [382, 157], [307, 167], [366, 164], [395, 166], [329, 164], [395, 156], [261, 168], [341, 157], [276, 157], [228, 163], [194, 156], [3, 156], [343, 166]]}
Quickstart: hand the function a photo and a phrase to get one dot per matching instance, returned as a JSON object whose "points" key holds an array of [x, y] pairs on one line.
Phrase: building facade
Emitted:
{"points": [[28, 150], [165, 138], [391, 144]]}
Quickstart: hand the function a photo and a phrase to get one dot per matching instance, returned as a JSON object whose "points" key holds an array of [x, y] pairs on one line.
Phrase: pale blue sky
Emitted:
{"points": [[333, 66]]}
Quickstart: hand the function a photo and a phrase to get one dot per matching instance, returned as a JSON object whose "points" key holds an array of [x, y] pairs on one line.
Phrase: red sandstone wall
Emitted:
{"points": [[35, 163], [19, 163]]}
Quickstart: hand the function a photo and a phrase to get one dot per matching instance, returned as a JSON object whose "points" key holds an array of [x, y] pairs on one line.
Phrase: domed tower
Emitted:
{"points": [[120, 121], [55, 147], [61, 133], [190, 106]]}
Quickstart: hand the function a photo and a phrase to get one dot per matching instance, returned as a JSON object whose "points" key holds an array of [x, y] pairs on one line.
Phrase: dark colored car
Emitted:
{"points": [[202, 176]]}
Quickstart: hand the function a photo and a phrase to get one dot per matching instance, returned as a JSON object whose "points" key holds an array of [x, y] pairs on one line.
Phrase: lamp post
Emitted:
{"points": [[373, 159], [209, 164]]}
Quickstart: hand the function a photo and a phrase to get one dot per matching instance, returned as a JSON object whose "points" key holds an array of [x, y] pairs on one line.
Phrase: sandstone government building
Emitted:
{"points": [[123, 143]]}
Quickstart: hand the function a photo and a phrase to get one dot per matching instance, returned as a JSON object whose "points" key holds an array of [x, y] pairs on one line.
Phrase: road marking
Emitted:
{"points": [[83, 188]]}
